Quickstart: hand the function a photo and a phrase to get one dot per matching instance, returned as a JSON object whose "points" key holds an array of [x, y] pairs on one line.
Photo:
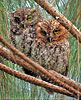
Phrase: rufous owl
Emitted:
{"points": [[45, 42]]}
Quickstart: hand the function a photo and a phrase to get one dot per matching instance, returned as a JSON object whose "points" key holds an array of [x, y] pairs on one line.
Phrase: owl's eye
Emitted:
{"points": [[55, 31], [17, 20], [29, 18], [43, 32]]}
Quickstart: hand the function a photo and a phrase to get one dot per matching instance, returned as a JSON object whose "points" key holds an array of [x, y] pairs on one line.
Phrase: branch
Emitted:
{"points": [[40, 68], [17, 60], [61, 18], [75, 18], [35, 81]]}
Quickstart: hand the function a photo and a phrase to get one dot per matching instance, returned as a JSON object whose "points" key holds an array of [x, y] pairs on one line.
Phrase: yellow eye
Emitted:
{"points": [[29, 18], [55, 31]]}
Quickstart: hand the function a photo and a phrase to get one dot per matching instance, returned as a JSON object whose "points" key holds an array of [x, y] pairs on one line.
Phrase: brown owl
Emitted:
{"points": [[45, 42], [23, 23], [51, 47]]}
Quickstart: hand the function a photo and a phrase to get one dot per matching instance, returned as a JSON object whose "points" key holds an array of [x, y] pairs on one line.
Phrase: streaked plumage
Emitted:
{"points": [[45, 42]]}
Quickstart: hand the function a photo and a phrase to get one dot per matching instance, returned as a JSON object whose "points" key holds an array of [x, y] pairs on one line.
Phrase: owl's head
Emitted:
{"points": [[51, 31], [24, 18]]}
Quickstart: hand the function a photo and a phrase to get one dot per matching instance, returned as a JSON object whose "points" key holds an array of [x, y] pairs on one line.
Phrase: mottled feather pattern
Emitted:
{"points": [[23, 28], [45, 42], [54, 57], [23, 23]]}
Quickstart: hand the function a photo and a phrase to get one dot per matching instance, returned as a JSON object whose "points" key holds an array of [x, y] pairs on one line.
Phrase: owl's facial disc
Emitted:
{"points": [[46, 35], [51, 31]]}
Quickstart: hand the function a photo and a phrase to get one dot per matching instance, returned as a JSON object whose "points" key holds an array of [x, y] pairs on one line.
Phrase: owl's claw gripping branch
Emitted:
{"points": [[60, 18], [63, 83]]}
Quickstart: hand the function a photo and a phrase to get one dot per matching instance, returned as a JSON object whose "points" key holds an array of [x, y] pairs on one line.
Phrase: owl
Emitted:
{"points": [[51, 48], [45, 42], [23, 23]]}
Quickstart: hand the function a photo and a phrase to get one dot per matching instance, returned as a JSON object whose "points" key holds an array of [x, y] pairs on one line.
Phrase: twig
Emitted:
{"points": [[40, 68], [78, 14], [9, 56], [61, 18], [68, 81], [35, 81]]}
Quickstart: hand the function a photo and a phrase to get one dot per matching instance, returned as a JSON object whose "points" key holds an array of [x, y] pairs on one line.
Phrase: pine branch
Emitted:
{"points": [[35, 81], [40, 68], [78, 14], [7, 54], [61, 18], [17, 60]]}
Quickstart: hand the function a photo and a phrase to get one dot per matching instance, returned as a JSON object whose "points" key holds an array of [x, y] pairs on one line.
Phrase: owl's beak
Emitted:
{"points": [[49, 39]]}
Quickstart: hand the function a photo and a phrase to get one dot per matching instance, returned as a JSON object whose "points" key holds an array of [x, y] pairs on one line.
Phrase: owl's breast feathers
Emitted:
{"points": [[52, 56]]}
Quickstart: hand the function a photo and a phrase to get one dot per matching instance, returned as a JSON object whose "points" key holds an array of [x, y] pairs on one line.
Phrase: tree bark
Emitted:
{"points": [[40, 68], [17, 60], [7, 54], [35, 81], [60, 18]]}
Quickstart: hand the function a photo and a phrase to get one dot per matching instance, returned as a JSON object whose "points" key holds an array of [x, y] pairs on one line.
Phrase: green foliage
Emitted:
{"points": [[13, 88]]}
